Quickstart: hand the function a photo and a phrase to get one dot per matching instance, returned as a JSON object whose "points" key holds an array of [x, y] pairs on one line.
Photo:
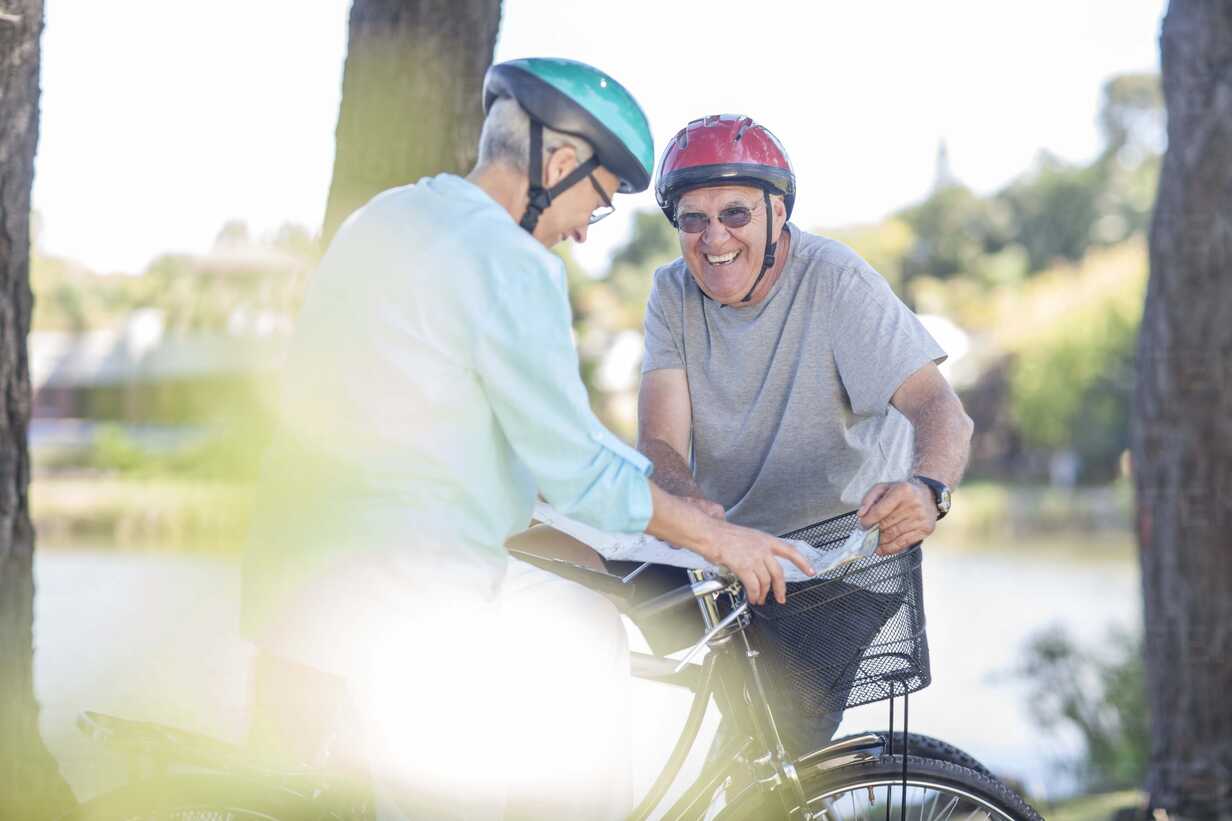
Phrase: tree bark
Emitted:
{"points": [[1182, 430], [30, 782], [411, 96]]}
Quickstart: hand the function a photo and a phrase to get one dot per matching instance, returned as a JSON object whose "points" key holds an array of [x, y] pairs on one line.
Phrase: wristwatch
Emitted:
{"points": [[940, 491]]}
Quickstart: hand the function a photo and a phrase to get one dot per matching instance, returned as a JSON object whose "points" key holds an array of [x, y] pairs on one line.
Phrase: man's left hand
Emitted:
{"points": [[905, 512]]}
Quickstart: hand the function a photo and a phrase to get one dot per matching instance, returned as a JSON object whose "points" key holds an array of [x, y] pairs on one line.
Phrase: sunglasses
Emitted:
{"points": [[734, 216], [604, 210]]}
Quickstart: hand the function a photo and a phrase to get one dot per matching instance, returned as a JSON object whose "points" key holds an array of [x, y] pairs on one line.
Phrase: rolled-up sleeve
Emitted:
{"points": [[528, 365]]}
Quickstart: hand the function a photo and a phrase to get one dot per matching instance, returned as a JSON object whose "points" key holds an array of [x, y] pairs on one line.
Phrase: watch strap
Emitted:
{"points": [[937, 489]]}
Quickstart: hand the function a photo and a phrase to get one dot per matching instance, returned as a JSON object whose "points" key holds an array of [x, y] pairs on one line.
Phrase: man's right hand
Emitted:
{"points": [[750, 554], [754, 557]]}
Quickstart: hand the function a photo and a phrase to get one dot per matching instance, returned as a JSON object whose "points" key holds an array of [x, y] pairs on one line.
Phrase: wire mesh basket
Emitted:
{"points": [[852, 636]]}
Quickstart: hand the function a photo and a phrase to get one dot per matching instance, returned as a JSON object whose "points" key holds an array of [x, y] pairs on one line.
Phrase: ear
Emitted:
{"points": [[560, 163], [780, 214]]}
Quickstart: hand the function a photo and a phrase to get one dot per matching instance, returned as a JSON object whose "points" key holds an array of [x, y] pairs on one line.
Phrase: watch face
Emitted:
{"points": [[943, 500]]}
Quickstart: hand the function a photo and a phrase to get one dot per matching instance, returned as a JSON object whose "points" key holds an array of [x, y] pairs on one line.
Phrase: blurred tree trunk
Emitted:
{"points": [[30, 782], [1182, 434], [411, 96]]}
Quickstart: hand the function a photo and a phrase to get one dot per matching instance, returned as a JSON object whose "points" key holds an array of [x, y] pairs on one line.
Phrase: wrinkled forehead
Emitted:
{"points": [[718, 197]]}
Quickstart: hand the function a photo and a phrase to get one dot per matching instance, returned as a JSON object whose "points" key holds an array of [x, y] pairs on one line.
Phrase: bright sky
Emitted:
{"points": [[162, 119]]}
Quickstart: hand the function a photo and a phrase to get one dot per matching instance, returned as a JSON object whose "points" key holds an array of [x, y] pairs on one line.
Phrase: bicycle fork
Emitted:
{"points": [[782, 777]]}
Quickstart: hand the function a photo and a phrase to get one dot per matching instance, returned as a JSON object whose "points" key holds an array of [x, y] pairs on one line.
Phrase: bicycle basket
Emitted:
{"points": [[852, 636]]}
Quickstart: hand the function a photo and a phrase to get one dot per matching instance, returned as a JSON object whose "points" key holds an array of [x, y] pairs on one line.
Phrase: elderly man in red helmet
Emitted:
{"points": [[783, 381]]}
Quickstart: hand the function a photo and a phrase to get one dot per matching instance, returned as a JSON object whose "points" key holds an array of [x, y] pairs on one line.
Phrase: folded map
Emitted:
{"points": [[640, 547]]}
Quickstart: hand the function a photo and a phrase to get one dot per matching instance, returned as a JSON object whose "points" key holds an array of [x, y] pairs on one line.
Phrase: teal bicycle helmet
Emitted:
{"points": [[576, 99]]}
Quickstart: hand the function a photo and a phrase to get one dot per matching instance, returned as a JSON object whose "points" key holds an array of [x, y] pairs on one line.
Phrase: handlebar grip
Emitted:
{"points": [[674, 598]]}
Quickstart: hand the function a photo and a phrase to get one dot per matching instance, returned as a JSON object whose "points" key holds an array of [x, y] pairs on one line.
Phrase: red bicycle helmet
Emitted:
{"points": [[723, 149], [726, 149]]}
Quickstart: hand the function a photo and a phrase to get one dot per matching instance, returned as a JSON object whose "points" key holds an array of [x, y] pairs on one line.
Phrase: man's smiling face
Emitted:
{"points": [[725, 261]]}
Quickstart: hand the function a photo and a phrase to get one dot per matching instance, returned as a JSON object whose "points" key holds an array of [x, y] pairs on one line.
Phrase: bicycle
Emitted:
{"points": [[752, 776]]}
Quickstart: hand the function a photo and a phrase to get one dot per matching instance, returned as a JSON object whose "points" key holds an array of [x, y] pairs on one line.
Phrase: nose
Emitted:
{"points": [[579, 234], [715, 233]]}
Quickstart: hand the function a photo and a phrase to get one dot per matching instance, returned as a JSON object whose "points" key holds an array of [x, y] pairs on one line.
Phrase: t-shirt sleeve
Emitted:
{"points": [[528, 365], [878, 342], [663, 340]]}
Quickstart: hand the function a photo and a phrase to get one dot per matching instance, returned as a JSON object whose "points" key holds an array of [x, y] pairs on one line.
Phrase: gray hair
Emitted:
{"points": [[505, 139]]}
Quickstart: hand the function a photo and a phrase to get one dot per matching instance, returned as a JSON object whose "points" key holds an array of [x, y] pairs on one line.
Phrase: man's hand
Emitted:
{"points": [[905, 512], [754, 557], [750, 554]]}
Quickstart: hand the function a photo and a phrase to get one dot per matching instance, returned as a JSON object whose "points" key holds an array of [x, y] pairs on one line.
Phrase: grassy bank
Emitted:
{"points": [[179, 513], [994, 515], [140, 512], [1101, 807]]}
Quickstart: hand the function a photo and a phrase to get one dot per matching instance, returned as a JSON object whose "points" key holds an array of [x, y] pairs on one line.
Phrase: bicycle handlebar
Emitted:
{"points": [[674, 598]]}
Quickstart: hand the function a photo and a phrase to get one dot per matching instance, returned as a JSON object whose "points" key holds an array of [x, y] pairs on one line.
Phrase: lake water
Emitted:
{"points": [[154, 637]]}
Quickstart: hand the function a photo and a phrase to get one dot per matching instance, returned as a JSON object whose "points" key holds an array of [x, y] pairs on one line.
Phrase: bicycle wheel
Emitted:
{"points": [[936, 791], [198, 798], [926, 746]]}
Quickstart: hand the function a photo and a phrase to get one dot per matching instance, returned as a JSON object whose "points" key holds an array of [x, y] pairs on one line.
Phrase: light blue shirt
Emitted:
{"points": [[432, 389]]}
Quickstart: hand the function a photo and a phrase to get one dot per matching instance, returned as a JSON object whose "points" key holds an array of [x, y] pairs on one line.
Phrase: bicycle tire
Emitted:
{"points": [[201, 796], [927, 746], [857, 792]]}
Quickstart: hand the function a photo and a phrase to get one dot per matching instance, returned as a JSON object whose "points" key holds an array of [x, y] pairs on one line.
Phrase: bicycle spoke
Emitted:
{"points": [[948, 809], [923, 803]]}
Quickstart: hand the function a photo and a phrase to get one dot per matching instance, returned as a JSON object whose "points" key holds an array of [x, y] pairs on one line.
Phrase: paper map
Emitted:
{"points": [[640, 547]]}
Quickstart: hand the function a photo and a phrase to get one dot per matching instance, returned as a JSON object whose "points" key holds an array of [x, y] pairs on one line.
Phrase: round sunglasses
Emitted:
{"points": [[734, 216]]}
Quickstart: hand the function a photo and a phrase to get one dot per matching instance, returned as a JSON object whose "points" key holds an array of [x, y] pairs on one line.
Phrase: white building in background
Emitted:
{"points": [[124, 375]]}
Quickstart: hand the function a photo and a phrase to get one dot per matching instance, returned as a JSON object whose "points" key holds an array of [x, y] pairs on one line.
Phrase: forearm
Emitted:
{"points": [[671, 473], [942, 440], [680, 523]]}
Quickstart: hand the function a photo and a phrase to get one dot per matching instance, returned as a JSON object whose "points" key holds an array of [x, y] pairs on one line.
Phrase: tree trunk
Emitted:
{"points": [[411, 96], [1182, 432], [30, 782]]}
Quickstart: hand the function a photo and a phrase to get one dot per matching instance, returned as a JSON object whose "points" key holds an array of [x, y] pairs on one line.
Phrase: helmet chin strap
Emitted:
{"points": [[540, 198], [768, 259]]}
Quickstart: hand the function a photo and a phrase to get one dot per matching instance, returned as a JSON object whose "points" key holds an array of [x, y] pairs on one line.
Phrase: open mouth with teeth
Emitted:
{"points": [[722, 259]]}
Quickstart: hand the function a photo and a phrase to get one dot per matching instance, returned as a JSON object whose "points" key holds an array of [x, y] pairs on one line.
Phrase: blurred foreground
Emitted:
{"points": [[161, 643]]}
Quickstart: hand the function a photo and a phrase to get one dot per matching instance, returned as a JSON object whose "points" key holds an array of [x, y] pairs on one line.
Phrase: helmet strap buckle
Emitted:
{"points": [[538, 197], [767, 260]]}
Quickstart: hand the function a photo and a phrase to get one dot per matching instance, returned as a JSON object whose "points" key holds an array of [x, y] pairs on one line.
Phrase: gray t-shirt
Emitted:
{"points": [[791, 416]]}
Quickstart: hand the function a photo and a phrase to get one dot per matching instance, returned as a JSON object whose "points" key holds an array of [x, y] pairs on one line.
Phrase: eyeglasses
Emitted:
{"points": [[734, 216], [604, 210]]}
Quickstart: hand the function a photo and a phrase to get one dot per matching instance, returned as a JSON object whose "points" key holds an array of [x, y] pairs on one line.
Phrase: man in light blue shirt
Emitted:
{"points": [[431, 391]]}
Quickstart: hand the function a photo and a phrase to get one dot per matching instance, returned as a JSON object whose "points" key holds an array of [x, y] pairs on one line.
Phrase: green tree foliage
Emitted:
{"points": [[1097, 693], [954, 229], [1072, 392], [1132, 115], [1037, 250], [1071, 333], [885, 246], [1053, 212], [1054, 209], [652, 242], [238, 287], [609, 307], [240, 281]]}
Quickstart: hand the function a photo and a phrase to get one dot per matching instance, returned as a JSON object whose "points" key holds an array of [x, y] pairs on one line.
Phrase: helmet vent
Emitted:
{"points": [[744, 126]]}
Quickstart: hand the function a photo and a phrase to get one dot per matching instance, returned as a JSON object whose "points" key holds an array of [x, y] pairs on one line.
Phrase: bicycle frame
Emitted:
{"points": [[730, 673]]}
